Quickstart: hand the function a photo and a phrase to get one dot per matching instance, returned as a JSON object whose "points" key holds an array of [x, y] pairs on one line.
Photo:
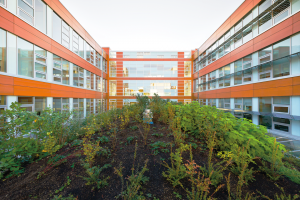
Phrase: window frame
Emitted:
{"points": [[279, 14], [4, 5], [113, 101], [282, 124], [32, 6], [41, 63]]}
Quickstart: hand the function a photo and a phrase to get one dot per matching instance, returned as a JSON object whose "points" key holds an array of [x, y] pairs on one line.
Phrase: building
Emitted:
{"points": [[250, 66], [167, 74]]}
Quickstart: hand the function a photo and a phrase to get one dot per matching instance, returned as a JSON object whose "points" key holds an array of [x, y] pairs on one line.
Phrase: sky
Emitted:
{"points": [[135, 25]]}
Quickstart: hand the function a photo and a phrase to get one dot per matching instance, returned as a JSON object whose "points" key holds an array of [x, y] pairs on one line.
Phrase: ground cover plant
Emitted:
{"points": [[190, 152]]}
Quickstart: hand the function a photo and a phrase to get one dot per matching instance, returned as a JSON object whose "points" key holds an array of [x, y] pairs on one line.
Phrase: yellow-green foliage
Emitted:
{"points": [[50, 144], [90, 149]]}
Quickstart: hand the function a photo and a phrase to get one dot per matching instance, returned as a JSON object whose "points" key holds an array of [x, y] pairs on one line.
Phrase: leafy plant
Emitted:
{"points": [[103, 139], [129, 139], [158, 134], [282, 196], [63, 187], [94, 175], [177, 170]]}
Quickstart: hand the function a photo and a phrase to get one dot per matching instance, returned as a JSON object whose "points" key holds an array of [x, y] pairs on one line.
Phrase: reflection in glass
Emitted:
{"points": [[41, 15], [25, 58], [56, 28], [2, 50]]}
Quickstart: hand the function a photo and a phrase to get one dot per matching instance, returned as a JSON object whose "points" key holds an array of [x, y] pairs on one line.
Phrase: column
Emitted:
{"points": [[255, 108]]}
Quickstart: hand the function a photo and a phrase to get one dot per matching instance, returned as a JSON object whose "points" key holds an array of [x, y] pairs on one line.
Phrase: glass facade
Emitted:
{"points": [[150, 69], [150, 87], [2, 50]]}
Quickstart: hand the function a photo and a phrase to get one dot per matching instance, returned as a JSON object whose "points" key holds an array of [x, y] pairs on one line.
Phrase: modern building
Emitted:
{"points": [[250, 66]]}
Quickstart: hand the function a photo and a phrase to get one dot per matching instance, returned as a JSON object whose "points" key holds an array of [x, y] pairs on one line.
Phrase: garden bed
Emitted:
{"points": [[51, 184]]}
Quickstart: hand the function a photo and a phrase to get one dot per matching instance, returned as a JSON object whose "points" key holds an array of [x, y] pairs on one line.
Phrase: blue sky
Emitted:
{"points": [[151, 24]]}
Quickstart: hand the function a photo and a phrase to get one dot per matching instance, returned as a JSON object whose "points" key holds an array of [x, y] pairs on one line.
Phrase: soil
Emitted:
{"points": [[27, 186]]}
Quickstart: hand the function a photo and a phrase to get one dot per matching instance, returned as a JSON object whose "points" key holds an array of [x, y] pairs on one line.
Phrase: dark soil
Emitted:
{"points": [[27, 186]]}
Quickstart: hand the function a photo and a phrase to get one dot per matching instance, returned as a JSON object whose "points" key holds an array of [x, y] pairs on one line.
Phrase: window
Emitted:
{"points": [[25, 58], [40, 62], [227, 35], [281, 67], [295, 6], [61, 105], [238, 26], [89, 106], [203, 102], [2, 50], [56, 27], [281, 49], [98, 105], [104, 105], [221, 52], [112, 88], [2, 107], [78, 76], [60, 70], [265, 104], [65, 35], [78, 107], [89, 80], [265, 22], [247, 104], [296, 42], [187, 101], [247, 34], [90, 54], [41, 16], [221, 40], [221, 103], [246, 75], [78, 44], [25, 10], [227, 103], [33, 104], [227, 47], [281, 105], [238, 104], [238, 40], [104, 86], [187, 69], [281, 11], [112, 104], [265, 121], [3, 3], [98, 60], [247, 19], [264, 5], [112, 68], [281, 124], [265, 71], [265, 55], [214, 56], [187, 88]]}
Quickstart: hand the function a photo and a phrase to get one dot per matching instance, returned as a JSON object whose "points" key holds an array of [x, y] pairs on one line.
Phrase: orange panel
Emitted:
{"points": [[6, 80], [296, 80], [31, 91], [275, 91], [275, 83], [296, 90], [6, 89], [31, 83]]}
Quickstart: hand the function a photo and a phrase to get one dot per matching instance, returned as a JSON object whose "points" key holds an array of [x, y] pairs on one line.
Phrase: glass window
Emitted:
{"points": [[65, 35], [2, 2], [295, 6], [25, 10], [247, 19], [81, 48], [265, 104], [88, 79], [247, 75], [265, 55], [264, 5], [281, 104], [187, 69], [62, 104], [112, 104], [265, 22], [227, 81], [40, 62], [281, 124], [238, 78], [238, 40], [281, 11], [247, 61], [56, 34], [26, 102], [238, 65], [227, 47], [214, 56], [78, 76], [112, 68], [247, 34], [41, 16], [221, 103], [187, 88], [238, 104], [40, 104], [227, 103], [265, 121], [238, 26], [281, 49], [296, 43], [2, 50], [247, 104], [98, 83], [25, 58], [227, 35], [281, 67], [221, 52], [113, 88], [61, 69]]}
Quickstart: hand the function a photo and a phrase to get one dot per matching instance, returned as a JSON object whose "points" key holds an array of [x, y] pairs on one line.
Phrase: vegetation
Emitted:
{"points": [[197, 152]]}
